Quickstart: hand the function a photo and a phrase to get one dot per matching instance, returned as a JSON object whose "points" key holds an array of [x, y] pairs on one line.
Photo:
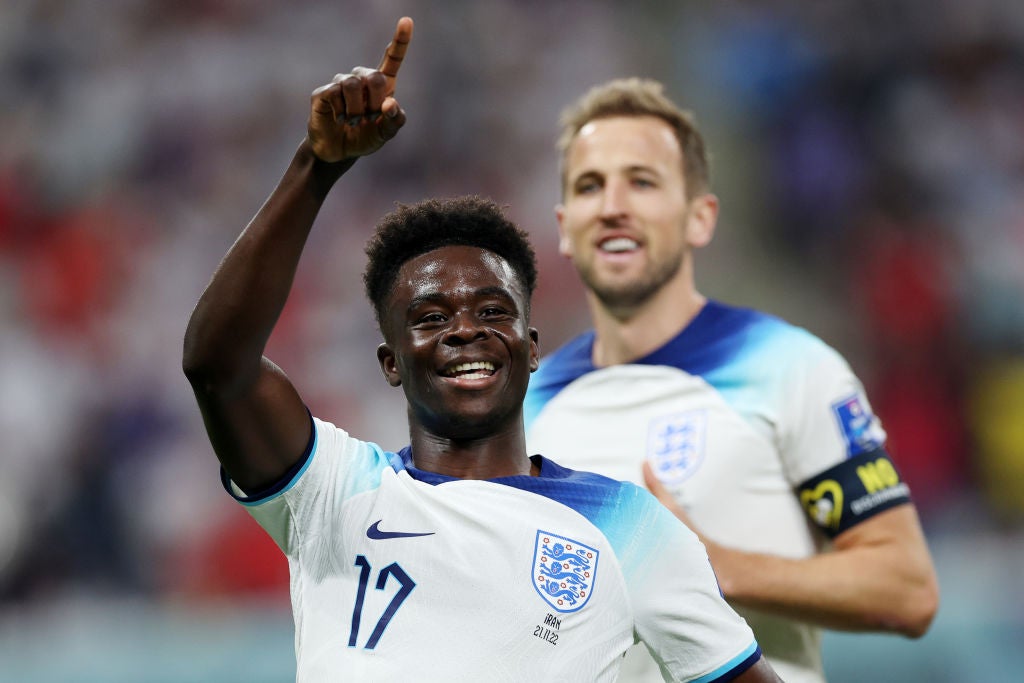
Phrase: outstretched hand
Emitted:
{"points": [[356, 113]]}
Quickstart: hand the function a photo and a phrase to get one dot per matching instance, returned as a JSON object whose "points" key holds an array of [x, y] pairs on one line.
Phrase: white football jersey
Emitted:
{"points": [[398, 574], [734, 414]]}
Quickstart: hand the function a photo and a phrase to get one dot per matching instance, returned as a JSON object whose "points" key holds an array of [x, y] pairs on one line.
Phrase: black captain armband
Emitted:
{"points": [[852, 491]]}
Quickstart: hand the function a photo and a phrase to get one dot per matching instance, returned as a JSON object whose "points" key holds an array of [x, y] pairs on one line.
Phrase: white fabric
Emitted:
{"points": [[734, 414], [476, 611]]}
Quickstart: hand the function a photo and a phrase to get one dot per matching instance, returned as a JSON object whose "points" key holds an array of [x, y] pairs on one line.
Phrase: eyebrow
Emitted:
{"points": [[494, 290], [632, 168], [440, 298]]}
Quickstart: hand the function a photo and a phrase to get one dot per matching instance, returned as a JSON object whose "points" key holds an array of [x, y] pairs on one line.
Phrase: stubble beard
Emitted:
{"points": [[621, 298]]}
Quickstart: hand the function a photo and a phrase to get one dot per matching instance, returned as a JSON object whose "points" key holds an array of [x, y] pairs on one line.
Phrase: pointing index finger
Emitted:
{"points": [[395, 52]]}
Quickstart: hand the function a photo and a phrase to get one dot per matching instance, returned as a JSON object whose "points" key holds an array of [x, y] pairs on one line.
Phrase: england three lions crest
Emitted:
{"points": [[675, 445], [563, 571]]}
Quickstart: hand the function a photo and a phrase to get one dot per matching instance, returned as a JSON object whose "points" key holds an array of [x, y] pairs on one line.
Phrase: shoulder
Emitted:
{"points": [[581, 488], [330, 439], [620, 509], [750, 338], [340, 457], [755, 329]]}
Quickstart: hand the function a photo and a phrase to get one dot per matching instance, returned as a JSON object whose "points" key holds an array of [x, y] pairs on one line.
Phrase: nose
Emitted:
{"points": [[614, 200], [465, 328]]}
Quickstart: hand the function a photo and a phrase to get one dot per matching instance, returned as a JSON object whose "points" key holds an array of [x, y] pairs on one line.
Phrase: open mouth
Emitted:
{"points": [[475, 370], [617, 245]]}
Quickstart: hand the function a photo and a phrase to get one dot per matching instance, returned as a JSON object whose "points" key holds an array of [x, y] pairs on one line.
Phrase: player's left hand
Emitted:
{"points": [[655, 486], [356, 113]]}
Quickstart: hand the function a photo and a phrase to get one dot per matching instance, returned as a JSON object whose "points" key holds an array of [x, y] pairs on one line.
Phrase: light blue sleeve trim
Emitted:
{"points": [[728, 666], [282, 487]]}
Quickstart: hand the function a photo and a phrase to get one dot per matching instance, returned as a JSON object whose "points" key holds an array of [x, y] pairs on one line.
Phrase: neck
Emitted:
{"points": [[624, 335], [502, 454]]}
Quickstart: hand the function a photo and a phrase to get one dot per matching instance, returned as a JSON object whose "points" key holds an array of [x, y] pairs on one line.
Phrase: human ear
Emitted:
{"points": [[564, 247], [534, 349], [389, 365], [701, 220]]}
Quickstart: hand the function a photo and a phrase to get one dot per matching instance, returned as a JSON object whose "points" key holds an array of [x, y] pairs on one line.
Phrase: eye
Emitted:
{"points": [[493, 311], [586, 186], [643, 182], [498, 313], [432, 318]]}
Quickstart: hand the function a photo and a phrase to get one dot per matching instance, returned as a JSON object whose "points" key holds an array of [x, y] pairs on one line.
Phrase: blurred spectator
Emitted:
{"points": [[997, 412]]}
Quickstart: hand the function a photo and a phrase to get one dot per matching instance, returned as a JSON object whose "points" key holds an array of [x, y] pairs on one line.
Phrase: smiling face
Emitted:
{"points": [[626, 222], [458, 342]]}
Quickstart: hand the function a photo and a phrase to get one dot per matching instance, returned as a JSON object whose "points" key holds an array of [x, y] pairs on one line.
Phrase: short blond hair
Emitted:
{"points": [[639, 97]]}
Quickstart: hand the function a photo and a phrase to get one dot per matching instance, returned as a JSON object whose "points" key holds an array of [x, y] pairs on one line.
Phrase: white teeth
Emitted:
{"points": [[618, 244], [469, 367]]}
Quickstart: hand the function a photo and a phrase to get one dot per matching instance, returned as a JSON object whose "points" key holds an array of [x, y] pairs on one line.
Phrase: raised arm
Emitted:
{"points": [[256, 421]]}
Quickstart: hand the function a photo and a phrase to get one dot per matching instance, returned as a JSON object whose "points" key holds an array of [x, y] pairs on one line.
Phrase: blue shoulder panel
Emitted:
{"points": [[724, 345]]}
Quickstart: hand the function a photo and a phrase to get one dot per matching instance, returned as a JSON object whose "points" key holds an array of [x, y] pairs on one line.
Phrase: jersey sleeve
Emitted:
{"points": [[825, 417], [680, 615], [304, 503], [833, 446]]}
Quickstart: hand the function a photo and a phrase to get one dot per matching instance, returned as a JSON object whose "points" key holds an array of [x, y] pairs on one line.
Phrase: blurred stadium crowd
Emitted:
{"points": [[869, 155]]}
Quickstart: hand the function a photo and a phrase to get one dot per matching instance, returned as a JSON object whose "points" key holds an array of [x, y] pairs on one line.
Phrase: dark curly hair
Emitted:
{"points": [[414, 229]]}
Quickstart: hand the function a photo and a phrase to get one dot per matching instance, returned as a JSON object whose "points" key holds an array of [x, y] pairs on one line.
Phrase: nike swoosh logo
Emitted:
{"points": [[376, 534]]}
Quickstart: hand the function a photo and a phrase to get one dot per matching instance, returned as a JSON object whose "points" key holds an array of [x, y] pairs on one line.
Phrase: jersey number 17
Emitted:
{"points": [[406, 585]]}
